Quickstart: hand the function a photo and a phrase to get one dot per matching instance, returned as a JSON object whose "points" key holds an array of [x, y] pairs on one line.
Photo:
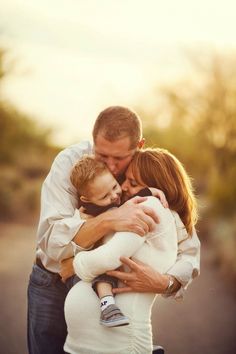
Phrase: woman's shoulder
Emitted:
{"points": [[155, 203]]}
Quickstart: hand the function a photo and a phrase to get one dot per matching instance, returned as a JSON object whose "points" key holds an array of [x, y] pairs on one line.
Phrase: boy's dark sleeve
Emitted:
{"points": [[145, 192]]}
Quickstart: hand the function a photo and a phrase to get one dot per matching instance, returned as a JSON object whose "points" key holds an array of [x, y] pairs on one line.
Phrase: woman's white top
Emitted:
{"points": [[82, 306]]}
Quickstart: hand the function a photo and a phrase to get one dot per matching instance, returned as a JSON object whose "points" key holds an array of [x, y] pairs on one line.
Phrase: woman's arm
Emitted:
{"points": [[143, 278], [187, 266]]}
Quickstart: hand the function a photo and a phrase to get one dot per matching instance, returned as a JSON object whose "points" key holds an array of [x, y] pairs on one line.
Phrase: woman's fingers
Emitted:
{"points": [[126, 289], [134, 265], [125, 277]]}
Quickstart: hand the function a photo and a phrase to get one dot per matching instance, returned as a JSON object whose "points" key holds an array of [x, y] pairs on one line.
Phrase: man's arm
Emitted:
{"points": [[132, 216]]}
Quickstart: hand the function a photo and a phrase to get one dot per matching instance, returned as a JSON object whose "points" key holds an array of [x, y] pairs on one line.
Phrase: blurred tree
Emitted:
{"points": [[2, 67], [201, 128], [25, 157]]}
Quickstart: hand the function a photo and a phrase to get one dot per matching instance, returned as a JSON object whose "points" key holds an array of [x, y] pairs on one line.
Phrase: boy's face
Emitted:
{"points": [[131, 185], [116, 154], [104, 190]]}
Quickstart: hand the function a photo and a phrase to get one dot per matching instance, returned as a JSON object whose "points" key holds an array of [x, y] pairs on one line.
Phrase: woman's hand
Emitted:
{"points": [[161, 195], [67, 269], [141, 278]]}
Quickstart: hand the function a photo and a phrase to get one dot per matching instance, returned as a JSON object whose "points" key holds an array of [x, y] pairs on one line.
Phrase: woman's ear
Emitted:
{"points": [[84, 199], [141, 143]]}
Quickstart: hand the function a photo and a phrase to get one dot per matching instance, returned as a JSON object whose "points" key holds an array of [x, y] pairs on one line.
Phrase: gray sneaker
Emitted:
{"points": [[113, 317]]}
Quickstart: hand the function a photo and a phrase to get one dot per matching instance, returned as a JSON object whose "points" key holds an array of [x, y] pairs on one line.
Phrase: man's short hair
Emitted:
{"points": [[118, 122]]}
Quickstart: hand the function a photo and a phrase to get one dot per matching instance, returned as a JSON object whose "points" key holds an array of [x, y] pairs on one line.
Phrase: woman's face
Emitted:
{"points": [[132, 185]]}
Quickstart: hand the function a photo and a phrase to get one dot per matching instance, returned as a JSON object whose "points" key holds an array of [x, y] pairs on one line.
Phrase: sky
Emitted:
{"points": [[73, 58]]}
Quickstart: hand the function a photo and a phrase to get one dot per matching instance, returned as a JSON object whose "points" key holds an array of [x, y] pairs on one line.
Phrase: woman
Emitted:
{"points": [[149, 168]]}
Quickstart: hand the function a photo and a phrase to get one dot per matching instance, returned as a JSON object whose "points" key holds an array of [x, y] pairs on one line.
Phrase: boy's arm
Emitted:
{"points": [[90, 264]]}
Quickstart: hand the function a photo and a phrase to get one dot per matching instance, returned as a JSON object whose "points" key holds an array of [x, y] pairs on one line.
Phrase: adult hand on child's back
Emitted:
{"points": [[134, 216]]}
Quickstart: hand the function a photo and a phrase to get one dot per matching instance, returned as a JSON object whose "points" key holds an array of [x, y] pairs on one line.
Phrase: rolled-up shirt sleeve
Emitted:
{"points": [[58, 240], [60, 219], [187, 266]]}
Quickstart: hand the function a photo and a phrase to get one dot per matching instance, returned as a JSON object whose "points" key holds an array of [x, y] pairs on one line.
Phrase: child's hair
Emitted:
{"points": [[85, 171], [160, 169]]}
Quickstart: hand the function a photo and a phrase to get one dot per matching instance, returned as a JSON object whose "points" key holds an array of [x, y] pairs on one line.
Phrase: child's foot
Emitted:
{"points": [[113, 317]]}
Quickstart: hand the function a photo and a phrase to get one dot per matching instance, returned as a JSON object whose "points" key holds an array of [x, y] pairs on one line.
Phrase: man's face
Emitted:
{"points": [[116, 154]]}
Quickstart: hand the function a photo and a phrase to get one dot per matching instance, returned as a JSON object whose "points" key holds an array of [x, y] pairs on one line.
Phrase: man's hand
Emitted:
{"points": [[141, 278], [134, 216], [67, 269]]}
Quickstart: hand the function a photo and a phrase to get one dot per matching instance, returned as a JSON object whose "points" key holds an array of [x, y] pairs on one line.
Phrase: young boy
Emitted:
{"points": [[99, 191]]}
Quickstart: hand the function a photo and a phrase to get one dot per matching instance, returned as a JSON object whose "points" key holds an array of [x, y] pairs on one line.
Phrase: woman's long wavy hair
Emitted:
{"points": [[160, 169]]}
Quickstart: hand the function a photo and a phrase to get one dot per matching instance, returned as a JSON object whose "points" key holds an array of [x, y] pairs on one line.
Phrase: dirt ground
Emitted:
{"points": [[205, 322]]}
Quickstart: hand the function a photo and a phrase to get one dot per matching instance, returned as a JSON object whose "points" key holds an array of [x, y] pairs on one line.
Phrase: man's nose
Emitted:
{"points": [[110, 164]]}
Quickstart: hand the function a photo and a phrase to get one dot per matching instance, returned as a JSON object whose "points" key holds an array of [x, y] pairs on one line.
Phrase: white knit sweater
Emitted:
{"points": [[82, 312]]}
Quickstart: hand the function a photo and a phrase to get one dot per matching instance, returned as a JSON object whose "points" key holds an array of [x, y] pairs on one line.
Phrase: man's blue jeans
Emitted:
{"points": [[46, 322]]}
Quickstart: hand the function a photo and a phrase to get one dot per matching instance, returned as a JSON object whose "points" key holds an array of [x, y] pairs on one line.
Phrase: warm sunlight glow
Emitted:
{"points": [[73, 58]]}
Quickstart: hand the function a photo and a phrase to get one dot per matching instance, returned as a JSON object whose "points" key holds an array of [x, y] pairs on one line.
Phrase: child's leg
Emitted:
{"points": [[111, 316], [104, 291], [104, 278]]}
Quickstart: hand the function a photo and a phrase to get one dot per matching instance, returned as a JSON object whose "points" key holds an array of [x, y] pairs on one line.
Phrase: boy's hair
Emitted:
{"points": [[84, 172], [160, 169], [118, 122]]}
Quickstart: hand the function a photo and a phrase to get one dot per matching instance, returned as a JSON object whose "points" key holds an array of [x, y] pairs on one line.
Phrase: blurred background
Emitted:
{"points": [[61, 63]]}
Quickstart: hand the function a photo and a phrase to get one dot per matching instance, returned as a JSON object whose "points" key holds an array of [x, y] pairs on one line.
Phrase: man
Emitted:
{"points": [[62, 233]]}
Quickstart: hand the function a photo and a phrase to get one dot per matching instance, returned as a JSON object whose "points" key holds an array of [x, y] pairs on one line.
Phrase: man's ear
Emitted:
{"points": [[84, 199], [141, 143]]}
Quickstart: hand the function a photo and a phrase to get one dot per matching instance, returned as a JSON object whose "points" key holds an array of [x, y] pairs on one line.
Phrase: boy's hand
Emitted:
{"points": [[159, 194]]}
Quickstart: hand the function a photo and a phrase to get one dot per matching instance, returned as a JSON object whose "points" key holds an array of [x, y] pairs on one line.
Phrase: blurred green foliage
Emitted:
{"points": [[196, 120], [201, 130], [25, 158]]}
